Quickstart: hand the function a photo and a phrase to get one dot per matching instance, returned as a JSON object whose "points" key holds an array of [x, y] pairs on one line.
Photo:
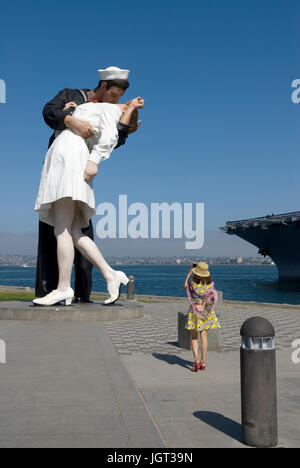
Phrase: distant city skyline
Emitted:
{"points": [[30, 260], [215, 244]]}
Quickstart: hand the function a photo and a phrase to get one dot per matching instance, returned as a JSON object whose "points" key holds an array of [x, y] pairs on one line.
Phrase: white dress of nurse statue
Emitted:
{"points": [[66, 197]]}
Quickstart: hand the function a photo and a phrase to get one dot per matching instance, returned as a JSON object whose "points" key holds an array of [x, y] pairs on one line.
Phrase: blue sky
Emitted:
{"points": [[219, 126]]}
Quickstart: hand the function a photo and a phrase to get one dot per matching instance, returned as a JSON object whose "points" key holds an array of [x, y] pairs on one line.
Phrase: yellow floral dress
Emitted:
{"points": [[196, 323]]}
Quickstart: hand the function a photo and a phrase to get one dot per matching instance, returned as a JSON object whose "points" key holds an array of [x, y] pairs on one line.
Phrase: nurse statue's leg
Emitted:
{"points": [[64, 210], [89, 250]]}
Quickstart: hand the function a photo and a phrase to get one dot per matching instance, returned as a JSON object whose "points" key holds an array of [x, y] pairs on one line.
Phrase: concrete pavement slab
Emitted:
{"points": [[64, 385], [127, 384], [204, 409]]}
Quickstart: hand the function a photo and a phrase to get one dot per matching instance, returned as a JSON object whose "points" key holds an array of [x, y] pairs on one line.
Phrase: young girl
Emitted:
{"points": [[203, 298]]}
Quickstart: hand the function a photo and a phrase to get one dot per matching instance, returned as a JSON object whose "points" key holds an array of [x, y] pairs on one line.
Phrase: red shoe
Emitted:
{"points": [[202, 366], [196, 367]]}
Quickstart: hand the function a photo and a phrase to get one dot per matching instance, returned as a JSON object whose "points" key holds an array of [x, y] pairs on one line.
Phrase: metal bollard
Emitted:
{"points": [[258, 383], [130, 288]]}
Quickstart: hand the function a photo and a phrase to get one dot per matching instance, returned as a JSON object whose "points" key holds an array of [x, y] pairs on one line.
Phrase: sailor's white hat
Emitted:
{"points": [[113, 73]]}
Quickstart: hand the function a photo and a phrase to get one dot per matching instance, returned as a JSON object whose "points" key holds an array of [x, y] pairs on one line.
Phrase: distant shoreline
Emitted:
{"points": [[164, 264]]}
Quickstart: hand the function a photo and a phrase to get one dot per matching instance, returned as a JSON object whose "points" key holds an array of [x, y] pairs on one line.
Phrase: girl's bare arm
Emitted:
{"points": [[187, 278]]}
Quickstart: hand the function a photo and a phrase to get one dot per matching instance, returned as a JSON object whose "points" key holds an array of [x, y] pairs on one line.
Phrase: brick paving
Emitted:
{"points": [[157, 332]]}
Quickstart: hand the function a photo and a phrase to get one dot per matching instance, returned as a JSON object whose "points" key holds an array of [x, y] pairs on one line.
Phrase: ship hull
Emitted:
{"points": [[277, 237], [283, 248]]}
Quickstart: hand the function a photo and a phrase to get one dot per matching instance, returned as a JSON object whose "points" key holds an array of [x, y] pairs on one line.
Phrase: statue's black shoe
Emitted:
{"points": [[83, 300]]}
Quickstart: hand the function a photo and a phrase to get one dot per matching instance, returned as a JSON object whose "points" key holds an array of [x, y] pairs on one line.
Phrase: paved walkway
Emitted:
{"points": [[127, 384], [64, 385], [204, 409], [158, 330]]}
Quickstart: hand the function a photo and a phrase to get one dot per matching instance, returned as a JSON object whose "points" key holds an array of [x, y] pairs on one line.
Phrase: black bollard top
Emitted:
{"points": [[257, 326]]}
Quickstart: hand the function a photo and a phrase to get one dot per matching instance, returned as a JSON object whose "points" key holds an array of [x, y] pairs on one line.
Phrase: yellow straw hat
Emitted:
{"points": [[201, 270]]}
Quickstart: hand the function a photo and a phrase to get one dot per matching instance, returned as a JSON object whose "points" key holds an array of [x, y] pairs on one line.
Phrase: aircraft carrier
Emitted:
{"points": [[276, 236]]}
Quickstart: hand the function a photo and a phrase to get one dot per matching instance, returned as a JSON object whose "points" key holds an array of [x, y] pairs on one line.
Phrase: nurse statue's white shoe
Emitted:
{"points": [[55, 297], [114, 287]]}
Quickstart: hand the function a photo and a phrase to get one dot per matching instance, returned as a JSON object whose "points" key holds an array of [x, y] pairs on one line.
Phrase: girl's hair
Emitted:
{"points": [[207, 280]]}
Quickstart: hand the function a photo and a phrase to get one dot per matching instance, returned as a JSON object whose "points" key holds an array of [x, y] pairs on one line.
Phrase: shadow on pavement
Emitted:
{"points": [[221, 423], [171, 359]]}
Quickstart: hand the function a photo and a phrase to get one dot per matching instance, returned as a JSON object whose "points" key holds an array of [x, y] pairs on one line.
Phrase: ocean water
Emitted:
{"points": [[238, 282]]}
